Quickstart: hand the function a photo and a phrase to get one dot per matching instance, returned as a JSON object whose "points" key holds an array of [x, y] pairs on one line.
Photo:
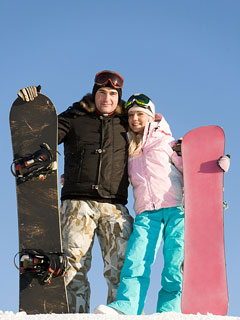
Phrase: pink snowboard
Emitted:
{"points": [[204, 276]]}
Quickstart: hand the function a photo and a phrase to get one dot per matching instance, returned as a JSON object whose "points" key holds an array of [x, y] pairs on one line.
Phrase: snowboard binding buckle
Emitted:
{"points": [[45, 265], [38, 164]]}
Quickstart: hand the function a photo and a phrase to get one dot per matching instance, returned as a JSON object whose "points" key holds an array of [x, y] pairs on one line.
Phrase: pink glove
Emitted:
{"points": [[224, 162]]}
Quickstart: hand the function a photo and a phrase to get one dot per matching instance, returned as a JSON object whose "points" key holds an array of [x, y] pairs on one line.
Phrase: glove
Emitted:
{"points": [[224, 162], [177, 147], [29, 93]]}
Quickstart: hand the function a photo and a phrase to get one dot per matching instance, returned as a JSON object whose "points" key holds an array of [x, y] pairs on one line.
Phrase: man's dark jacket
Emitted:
{"points": [[96, 153]]}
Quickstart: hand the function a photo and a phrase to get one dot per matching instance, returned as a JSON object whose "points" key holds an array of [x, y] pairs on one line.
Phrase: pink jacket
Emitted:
{"points": [[156, 173]]}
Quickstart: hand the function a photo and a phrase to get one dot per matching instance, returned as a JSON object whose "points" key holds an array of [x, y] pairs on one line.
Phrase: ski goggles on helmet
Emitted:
{"points": [[140, 99], [103, 77]]}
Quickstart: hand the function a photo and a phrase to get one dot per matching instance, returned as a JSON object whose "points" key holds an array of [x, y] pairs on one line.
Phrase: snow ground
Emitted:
{"points": [[8, 315]]}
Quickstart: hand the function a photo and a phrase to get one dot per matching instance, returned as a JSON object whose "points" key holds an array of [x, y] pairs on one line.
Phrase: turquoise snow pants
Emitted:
{"points": [[149, 228]]}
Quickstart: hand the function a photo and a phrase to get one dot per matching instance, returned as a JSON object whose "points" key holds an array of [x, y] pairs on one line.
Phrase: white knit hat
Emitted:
{"points": [[148, 109]]}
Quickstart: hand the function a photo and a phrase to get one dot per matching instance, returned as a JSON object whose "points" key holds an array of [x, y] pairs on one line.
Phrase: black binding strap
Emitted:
{"points": [[45, 265], [33, 165]]}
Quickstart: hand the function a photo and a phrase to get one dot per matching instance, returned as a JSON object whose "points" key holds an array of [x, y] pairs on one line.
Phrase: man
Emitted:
{"points": [[94, 193]]}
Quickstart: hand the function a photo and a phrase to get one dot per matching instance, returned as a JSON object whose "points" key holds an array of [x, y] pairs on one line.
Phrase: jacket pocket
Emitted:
{"points": [[73, 165]]}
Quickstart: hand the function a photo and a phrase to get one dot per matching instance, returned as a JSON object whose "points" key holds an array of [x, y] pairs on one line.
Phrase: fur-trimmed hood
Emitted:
{"points": [[87, 104]]}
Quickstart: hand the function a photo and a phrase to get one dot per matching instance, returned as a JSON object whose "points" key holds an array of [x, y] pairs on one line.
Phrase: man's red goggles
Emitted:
{"points": [[103, 77]]}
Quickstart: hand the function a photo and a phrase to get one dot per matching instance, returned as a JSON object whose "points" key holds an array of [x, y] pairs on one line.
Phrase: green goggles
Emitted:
{"points": [[140, 99]]}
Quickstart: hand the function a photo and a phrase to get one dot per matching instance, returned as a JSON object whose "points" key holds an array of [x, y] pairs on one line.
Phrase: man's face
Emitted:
{"points": [[106, 100]]}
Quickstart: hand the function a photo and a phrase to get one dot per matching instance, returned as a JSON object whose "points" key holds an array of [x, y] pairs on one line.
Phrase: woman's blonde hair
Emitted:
{"points": [[135, 144], [136, 139]]}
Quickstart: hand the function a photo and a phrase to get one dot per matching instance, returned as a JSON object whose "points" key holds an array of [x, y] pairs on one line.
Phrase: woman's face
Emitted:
{"points": [[137, 120]]}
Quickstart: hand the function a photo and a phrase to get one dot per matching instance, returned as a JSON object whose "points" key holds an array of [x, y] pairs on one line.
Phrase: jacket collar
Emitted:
{"points": [[158, 124]]}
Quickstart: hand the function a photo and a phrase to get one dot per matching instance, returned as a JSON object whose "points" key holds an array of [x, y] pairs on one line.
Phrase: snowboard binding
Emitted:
{"points": [[39, 164], [45, 265]]}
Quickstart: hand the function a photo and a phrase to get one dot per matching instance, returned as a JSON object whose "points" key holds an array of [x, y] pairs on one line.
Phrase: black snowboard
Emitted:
{"points": [[32, 124]]}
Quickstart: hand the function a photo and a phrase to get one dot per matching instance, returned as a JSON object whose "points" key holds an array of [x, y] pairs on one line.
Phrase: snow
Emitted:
{"points": [[7, 315]]}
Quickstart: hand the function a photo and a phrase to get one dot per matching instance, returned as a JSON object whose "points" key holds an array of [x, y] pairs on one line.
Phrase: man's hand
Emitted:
{"points": [[29, 93], [177, 147]]}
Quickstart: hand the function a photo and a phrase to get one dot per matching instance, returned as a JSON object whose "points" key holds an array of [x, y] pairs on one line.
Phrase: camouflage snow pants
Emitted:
{"points": [[80, 220]]}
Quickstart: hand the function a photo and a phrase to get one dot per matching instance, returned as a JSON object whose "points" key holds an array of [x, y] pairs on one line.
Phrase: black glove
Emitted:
{"points": [[29, 93], [177, 147]]}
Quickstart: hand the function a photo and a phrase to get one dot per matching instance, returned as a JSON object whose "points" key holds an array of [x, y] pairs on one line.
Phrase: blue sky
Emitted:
{"points": [[184, 54]]}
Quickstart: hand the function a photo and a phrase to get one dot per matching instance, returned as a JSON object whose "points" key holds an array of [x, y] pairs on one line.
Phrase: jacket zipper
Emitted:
{"points": [[147, 179], [100, 152], [149, 187]]}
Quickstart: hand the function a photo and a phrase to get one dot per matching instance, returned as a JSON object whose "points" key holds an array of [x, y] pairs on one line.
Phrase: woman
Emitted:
{"points": [[155, 171]]}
